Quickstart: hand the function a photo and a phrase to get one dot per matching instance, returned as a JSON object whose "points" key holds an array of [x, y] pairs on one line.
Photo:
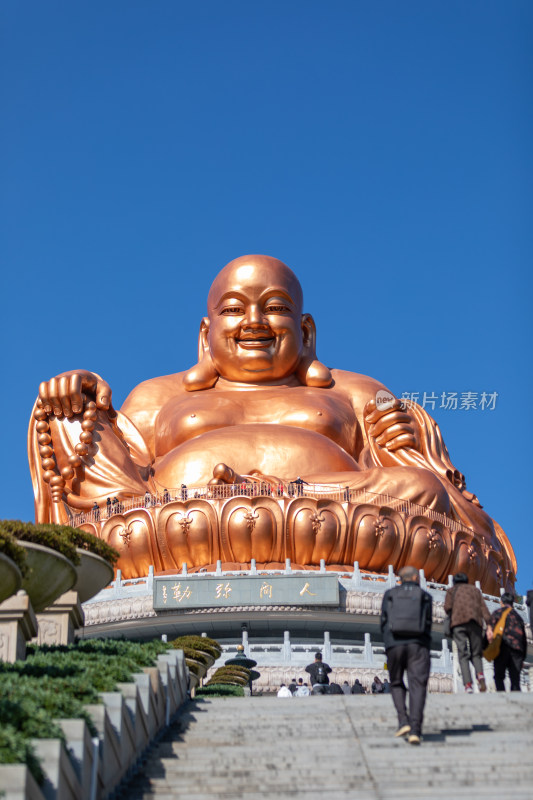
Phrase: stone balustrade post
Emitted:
{"points": [[150, 579], [184, 568], [244, 641], [423, 581], [287, 647], [356, 577], [288, 567], [18, 625], [446, 656], [253, 566], [327, 647], [391, 579], [322, 565], [218, 570], [368, 650]]}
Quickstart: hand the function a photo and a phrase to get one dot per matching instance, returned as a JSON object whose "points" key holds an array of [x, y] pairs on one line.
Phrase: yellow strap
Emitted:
{"points": [[500, 625]]}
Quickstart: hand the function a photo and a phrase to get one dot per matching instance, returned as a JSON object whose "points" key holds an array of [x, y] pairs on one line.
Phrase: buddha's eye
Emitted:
{"points": [[276, 309], [232, 310]]}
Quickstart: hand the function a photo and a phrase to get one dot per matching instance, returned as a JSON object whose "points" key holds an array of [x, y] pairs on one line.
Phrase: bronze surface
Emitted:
{"points": [[259, 407]]}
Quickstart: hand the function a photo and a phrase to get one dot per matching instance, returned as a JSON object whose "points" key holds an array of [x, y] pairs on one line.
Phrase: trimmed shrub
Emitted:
{"points": [[61, 538], [45, 535], [230, 675], [197, 655], [203, 643], [86, 541], [220, 690]]}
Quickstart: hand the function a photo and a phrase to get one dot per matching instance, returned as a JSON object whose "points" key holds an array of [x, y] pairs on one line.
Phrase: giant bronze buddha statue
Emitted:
{"points": [[277, 455]]}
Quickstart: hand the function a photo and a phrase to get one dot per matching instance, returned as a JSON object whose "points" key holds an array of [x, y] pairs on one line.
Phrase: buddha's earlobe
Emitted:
{"points": [[310, 371], [203, 375]]}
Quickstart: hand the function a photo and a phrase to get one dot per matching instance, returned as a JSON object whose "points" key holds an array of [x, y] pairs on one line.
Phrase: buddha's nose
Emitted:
{"points": [[255, 318]]}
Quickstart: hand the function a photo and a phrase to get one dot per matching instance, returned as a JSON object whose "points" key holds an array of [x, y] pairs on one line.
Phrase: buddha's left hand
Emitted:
{"points": [[393, 427]]}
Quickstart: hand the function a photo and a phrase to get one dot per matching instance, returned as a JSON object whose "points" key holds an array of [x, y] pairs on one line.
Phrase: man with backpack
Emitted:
{"points": [[406, 614], [318, 671]]}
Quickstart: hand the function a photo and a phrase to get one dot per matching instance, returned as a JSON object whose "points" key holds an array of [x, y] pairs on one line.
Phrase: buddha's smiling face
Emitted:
{"points": [[255, 320]]}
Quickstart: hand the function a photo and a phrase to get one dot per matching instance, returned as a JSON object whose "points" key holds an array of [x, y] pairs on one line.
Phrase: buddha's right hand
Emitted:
{"points": [[63, 395]]}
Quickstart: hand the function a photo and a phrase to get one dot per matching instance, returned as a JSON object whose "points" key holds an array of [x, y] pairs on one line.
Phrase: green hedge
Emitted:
{"points": [[56, 682]]}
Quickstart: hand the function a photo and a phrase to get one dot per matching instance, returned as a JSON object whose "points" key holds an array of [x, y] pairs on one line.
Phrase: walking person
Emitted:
{"points": [[406, 627], [319, 671], [468, 610], [513, 644]]}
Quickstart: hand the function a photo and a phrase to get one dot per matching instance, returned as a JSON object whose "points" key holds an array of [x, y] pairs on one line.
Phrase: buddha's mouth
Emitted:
{"points": [[256, 342]]}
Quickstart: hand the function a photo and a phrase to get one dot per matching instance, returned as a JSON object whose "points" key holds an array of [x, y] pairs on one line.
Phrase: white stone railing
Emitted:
{"points": [[356, 580], [340, 494]]}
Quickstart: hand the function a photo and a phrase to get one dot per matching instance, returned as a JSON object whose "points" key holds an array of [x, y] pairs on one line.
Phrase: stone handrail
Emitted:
{"points": [[289, 491]]}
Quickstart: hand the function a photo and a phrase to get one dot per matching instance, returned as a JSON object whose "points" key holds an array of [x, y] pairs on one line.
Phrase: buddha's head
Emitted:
{"points": [[255, 331]]}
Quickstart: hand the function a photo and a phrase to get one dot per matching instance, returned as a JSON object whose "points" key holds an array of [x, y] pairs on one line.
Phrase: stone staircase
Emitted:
{"points": [[342, 748]]}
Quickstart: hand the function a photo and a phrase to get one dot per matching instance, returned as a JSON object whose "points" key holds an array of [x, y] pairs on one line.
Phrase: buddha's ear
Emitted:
{"points": [[203, 375], [310, 371]]}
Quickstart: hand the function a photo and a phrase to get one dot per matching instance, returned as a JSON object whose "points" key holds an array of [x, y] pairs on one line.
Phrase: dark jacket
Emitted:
{"points": [[312, 670], [392, 640], [466, 603], [514, 632]]}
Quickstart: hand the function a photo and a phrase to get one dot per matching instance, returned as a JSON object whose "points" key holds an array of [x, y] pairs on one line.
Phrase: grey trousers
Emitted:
{"points": [[469, 641]]}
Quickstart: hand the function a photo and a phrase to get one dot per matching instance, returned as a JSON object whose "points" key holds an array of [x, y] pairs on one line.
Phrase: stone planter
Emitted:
{"points": [[126, 721], [139, 720], [17, 783], [61, 781], [10, 577], [81, 750], [50, 575], [110, 768], [93, 574]]}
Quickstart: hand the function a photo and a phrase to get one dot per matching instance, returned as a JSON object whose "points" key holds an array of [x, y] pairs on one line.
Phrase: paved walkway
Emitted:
{"points": [[342, 748]]}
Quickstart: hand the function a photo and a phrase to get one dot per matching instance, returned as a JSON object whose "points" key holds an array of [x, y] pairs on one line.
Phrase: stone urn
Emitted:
{"points": [[10, 577], [49, 576], [93, 573]]}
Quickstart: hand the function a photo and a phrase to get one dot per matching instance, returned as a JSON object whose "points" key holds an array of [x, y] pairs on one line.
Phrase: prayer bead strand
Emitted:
{"points": [[57, 481]]}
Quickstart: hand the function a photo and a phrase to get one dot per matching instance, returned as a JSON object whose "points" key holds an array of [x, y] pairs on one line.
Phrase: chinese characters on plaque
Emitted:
{"points": [[192, 591]]}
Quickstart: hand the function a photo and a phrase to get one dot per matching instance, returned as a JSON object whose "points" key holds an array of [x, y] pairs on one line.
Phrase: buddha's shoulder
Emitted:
{"points": [[154, 393], [356, 384]]}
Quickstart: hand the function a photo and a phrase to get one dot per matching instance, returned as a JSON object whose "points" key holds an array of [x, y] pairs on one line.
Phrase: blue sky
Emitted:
{"points": [[381, 149]]}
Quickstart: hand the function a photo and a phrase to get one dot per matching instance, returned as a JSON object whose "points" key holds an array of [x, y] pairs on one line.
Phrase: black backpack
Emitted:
{"points": [[321, 674], [406, 612]]}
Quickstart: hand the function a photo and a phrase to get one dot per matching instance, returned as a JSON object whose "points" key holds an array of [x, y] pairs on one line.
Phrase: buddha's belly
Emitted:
{"points": [[279, 450]]}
